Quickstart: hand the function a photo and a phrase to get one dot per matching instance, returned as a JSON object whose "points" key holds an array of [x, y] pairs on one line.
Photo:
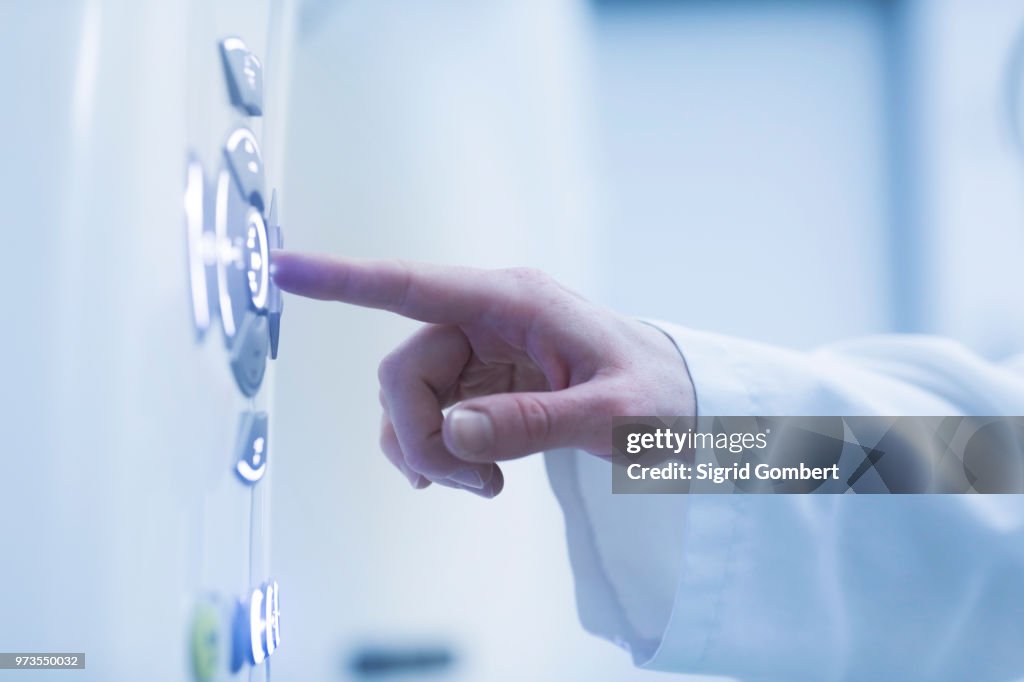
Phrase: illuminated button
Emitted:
{"points": [[242, 152], [202, 249], [258, 626], [249, 353], [244, 74], [251, 449], [231, 220], [273, 618], [256, 260], [242, 256]]}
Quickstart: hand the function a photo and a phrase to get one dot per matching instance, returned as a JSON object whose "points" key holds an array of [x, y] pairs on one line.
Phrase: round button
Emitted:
{"points": [[202, 249], [231, 221], [257, 257], [249, 353], [210, 639], [258, 625], [242, 152]]}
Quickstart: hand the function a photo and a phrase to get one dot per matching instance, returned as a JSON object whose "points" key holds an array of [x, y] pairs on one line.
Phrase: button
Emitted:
{"points": [[210, 638], [257, 260], [258, 626], [251, 448], [231, 220], [249, 353], [275, 301], [205, 643], [242, 152], [272, 618], [202, 249], [242, 256], [244, 74]]}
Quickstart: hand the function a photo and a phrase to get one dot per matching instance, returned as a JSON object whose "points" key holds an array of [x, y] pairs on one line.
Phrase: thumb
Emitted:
{"points": [[510, 425]]}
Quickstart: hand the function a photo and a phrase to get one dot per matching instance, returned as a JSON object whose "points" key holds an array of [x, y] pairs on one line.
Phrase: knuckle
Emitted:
{"points": [[533, 292], [537, 418], [388, 442], [529, 277], [390, 368]]}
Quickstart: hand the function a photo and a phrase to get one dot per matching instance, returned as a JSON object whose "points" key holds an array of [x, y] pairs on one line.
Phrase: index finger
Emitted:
{"points": [[430, 293]]}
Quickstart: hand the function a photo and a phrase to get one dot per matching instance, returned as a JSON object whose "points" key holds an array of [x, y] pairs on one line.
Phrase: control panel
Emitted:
{"points": [[231, 229]]}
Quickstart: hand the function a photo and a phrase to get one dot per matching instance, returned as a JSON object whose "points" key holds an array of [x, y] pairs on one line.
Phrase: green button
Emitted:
{"points": [[206, 642]]}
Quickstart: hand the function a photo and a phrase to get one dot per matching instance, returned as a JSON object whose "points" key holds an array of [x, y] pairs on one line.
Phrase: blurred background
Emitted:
{"points": [[795, 172]]}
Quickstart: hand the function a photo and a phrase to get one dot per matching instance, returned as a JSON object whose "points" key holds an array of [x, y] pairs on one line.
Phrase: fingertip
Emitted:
{"points": [[470, 478], [312, 275], [497, 482], [285, 268], [494, 485], [278, 268], [469, 434]]}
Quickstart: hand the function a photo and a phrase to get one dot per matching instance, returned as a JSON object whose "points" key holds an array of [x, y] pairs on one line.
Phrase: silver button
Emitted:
{"points": [[251, 448], [242, 152], [249, 354], [244, 74], [256, 260]]}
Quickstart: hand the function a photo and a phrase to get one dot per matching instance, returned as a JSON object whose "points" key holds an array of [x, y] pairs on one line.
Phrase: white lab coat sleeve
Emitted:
{"points": [[791, 587]]}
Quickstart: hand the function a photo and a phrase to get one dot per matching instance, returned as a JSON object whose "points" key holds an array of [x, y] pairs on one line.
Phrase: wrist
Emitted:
{"points": [[676, 395]]}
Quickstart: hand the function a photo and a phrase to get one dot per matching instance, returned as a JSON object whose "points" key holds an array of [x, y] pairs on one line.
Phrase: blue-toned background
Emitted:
{"points": [[796, 172]]}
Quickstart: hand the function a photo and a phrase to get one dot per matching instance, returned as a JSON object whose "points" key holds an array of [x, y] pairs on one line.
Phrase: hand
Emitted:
{"points": [[529, 365]]}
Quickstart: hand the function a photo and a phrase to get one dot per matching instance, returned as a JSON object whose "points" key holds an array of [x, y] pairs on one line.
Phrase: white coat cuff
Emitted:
{"points": [[711, 537], [666, 610], [720, 377]]}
